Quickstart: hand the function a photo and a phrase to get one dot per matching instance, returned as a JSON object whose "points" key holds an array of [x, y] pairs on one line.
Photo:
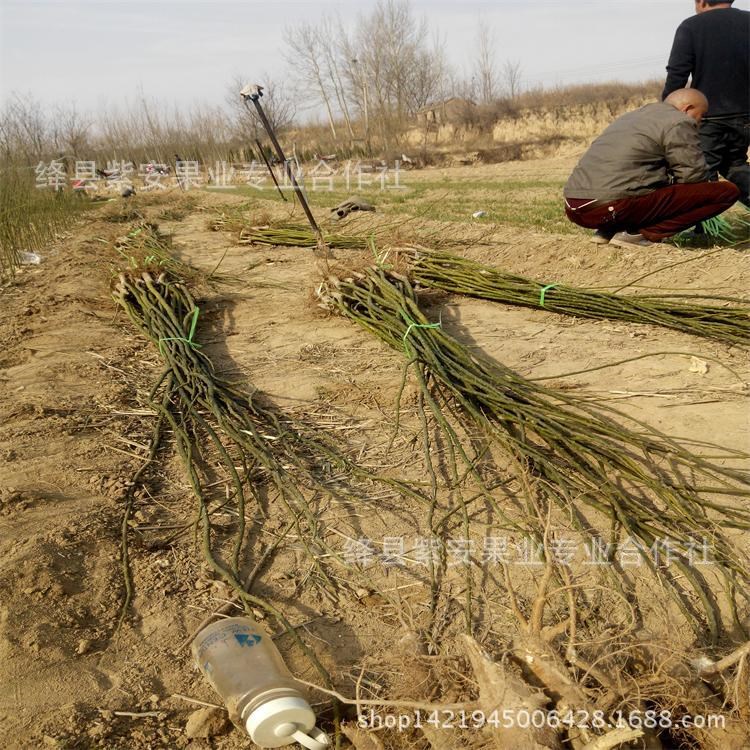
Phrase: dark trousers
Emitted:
{"points": [[656, 215], [725, 143]]}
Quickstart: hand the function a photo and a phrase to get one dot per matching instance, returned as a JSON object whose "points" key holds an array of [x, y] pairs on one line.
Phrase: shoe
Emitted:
{"points": [[601, 237], [625, 239]]}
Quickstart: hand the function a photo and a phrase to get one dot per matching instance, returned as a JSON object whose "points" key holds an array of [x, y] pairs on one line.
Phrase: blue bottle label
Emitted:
{"points": [[247, 639]]}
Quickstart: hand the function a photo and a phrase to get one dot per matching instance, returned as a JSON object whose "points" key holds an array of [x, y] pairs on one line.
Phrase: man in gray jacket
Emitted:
{"points": [[644, 178]]}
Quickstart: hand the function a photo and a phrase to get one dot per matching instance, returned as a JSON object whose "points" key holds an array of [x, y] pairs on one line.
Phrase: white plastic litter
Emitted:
{"points": [[703, 664], [478, 214], [30, 259], [245, 668], [699, 366]]}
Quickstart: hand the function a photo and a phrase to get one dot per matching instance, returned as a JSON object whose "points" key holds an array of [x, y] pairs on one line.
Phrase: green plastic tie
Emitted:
{"points": [[543, 291], [414, 324], [189, 340]]}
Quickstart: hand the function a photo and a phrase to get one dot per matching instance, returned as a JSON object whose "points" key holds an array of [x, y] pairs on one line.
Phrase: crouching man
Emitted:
{"points": [[644, 178]]}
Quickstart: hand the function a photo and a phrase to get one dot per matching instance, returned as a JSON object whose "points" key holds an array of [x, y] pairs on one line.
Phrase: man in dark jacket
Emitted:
{"points": [[714, 49], [644, 178]]}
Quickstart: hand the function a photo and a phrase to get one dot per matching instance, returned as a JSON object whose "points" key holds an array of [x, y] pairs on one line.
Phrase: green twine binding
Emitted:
{"points": [[189, 340], [543, 291], [414, 324]]}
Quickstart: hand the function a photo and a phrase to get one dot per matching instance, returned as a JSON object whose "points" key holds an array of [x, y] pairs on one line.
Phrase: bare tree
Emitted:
{"points": [[332, 41], [356, 79], [148, 119], [383, 71], [118, 129], [308, 57], [485, 64], [455, 84], [396, 70], [429, 79], [24, 130], [71, 130], [277, 102], [512, 78]]}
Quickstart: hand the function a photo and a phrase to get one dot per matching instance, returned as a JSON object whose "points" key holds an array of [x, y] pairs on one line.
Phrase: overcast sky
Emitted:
{"points": [[94, 53]]}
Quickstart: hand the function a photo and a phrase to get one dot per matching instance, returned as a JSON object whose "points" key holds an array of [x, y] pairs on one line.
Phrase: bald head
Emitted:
{"points": [[690, 101]]}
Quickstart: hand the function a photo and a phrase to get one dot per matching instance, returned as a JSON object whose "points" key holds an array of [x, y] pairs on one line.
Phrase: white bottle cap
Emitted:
{"points": [[282, 721]]}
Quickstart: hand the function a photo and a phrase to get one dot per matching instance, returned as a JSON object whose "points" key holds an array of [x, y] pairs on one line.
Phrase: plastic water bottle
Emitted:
{"points": [[246, 669]]}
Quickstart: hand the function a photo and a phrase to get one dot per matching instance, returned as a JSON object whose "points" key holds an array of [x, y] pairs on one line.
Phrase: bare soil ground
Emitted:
{"points": [[73, 429]]}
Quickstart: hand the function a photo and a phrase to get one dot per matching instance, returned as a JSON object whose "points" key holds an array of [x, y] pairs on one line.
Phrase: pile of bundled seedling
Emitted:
{"points": [[263, 455], [212, 420], [650, 486], [298, 236], [281, 233], [561, 451], [262, 230], [146, 246], [725, 319]]}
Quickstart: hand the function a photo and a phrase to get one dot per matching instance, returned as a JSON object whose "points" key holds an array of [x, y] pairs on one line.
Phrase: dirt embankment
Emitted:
{"points": [[528, 134]]}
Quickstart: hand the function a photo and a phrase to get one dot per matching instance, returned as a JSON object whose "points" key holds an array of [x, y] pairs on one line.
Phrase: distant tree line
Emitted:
{"points": [[373, 79], [368, 82]]}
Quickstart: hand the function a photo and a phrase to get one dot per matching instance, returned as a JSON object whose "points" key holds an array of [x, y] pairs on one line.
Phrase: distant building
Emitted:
{"points": [[449, 111]]}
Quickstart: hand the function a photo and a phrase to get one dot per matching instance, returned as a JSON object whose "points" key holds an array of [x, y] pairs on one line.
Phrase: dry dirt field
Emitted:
{"points": [[74, 427]]}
